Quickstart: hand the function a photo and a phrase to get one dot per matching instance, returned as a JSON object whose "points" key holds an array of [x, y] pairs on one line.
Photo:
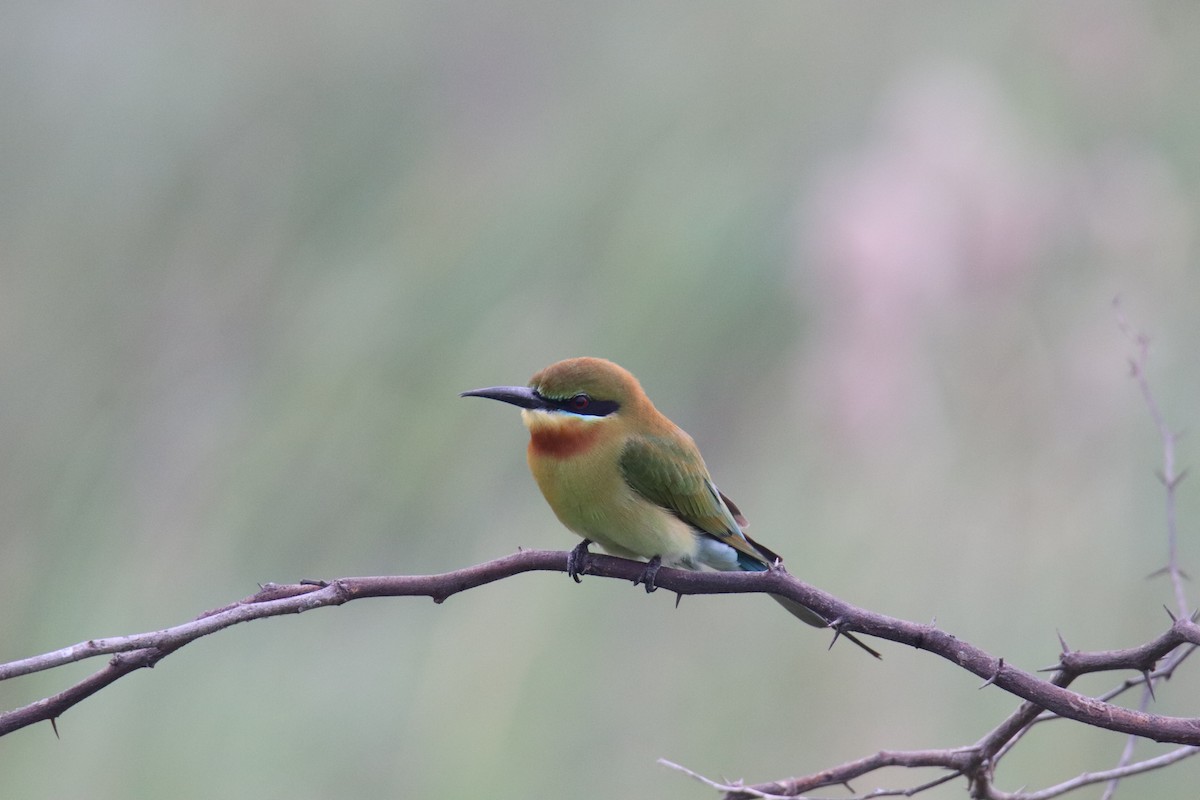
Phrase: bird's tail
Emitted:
{"points": [[806, 614]]}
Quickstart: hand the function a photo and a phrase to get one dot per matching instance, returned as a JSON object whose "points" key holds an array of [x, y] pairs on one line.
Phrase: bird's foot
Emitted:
{"points": [[577, 560], [649, 573]]}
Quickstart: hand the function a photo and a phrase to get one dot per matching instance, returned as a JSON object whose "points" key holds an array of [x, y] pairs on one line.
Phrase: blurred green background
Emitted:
{"points": [[865, 253]]}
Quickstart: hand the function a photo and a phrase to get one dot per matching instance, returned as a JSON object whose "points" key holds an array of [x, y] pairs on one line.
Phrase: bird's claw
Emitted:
{"points": [[577, 560], [649, 573]]}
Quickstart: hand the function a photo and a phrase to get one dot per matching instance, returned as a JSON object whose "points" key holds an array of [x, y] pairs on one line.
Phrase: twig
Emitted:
{"points": [[1168, 476], [1089, 778]]}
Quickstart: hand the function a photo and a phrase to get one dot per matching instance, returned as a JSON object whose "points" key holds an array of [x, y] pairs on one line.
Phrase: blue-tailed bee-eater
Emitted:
{"points": [[617, 472]]}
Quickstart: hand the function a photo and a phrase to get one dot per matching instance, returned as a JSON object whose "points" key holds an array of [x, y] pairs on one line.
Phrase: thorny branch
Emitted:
{"points": [[146, 649]]}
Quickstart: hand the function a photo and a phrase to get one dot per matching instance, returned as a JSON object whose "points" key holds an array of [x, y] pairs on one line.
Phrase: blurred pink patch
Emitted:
{"points": [[941, 211]]}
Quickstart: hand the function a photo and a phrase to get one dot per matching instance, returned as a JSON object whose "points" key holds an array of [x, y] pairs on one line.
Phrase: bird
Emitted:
{"points": [[618, 473]]}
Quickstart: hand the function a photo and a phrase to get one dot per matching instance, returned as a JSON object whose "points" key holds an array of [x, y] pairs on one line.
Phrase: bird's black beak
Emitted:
{"points": [[521, 396]]}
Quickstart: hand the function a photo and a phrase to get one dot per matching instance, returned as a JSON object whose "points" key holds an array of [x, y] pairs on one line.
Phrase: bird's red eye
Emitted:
{"points": [[579, 402]]}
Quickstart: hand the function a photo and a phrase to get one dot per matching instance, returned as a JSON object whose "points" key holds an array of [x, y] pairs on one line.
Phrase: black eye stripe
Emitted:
{"points": [[581, 403]]}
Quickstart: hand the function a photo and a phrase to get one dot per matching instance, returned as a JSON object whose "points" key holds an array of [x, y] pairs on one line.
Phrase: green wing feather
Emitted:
{"points": [[670, 474]]}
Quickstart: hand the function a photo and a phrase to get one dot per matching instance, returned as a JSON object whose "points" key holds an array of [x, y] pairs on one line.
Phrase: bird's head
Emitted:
{"points": [[580, 387], [570, 397]]}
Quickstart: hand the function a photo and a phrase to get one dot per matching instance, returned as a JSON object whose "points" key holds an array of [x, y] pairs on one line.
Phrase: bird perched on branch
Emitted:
{"points": [[620, 474]]}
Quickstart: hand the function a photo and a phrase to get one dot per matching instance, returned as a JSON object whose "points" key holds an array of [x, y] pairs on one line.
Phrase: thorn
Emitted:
{"points": [[996, 674], [678, 597], [1173, 570], [1169, 614], [836, 624], [1171, 483], [1065, 650], [54, 725], [1149, 684], [1051, 668], [1167, 569]]}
